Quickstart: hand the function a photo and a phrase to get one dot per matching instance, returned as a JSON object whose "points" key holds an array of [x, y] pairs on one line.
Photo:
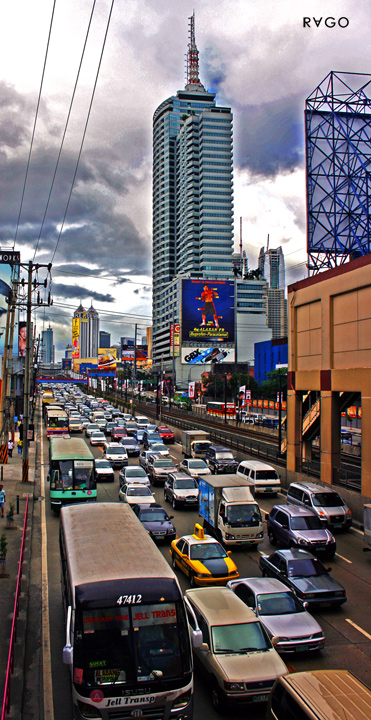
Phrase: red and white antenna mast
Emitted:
{"points": [[192, 55]]}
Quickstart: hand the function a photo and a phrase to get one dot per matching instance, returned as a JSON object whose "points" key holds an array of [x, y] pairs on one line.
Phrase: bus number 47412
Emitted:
{"points": [[129, 600]]}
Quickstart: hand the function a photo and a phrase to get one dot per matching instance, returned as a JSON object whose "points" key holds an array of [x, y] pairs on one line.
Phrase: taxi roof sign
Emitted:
{"points": [[199, 532]]}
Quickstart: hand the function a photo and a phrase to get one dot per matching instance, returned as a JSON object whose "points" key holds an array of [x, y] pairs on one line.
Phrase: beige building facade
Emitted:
{"points": [[330, 364]]}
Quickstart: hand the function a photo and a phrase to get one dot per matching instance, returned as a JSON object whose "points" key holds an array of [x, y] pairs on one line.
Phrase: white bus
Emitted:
{"points": [[127, 638]]}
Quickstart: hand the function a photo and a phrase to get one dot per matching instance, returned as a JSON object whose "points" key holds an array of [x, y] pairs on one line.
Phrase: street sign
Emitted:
{"points": [[10, 256]]}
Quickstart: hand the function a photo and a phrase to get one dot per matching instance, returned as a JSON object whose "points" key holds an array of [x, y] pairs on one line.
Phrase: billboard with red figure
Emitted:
{"points": [[208, 311]]}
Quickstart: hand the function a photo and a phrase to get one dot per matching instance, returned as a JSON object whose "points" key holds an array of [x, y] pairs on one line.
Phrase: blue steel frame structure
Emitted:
{"points": [[338, 165]]}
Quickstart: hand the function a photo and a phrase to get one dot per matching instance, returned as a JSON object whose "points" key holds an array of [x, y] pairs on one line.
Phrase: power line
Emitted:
{"points": [[65, 128], [85, 129], [34, 126]]}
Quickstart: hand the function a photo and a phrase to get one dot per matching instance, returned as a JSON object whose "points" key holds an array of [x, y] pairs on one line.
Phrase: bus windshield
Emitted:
{"points": [[76, 475], [126, 645]]}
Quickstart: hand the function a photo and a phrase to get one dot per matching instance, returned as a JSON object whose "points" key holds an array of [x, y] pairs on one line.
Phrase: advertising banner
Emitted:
{"points": [[208, 311], [204, 355], [107, 359], [174, 338], [75, 338], [191, 390]]}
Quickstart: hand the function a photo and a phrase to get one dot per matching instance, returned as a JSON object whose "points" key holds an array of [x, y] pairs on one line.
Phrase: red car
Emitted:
{"points": [[117, 433], [166, 434]]}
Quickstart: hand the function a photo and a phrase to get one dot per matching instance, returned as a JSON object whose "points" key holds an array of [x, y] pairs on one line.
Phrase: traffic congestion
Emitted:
{"points": [[260, 599]]}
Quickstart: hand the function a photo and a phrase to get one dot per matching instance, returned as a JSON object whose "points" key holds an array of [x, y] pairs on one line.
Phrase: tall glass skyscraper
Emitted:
{"points": [[192, 196]]}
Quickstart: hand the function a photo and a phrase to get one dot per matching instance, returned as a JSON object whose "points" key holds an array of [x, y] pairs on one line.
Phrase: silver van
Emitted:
{"points": [[261, 477], [325, 502]]}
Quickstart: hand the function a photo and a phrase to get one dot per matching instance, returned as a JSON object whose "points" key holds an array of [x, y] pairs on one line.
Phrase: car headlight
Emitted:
{"points": [[318, 636], [339, 593], [233, 572], [332, 539], [229, 537], [234, 686], [182, 701], [301, 541], [203, 575], [260, 535]]}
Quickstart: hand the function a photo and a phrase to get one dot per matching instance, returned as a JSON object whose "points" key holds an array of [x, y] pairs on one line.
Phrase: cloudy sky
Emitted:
{"points": [[259, 59]]}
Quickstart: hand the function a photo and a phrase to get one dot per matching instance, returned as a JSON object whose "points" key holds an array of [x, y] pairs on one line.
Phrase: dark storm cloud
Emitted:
{"points": [[76, 291], [269, 138], [75, 269]]}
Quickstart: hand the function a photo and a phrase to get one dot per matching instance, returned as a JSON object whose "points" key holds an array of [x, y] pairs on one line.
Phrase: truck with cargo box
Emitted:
{"points": [[229, 511], [195, 443]]}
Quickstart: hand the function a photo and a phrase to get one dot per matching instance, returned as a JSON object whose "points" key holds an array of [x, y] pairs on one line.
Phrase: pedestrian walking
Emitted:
{"points": [[2, 500], [10, 447], [19, 443]]}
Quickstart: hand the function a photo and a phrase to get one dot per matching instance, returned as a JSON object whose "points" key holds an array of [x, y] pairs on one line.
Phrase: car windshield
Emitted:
{"points": [[185, 484], [163, 462], [240, 639], [127, 441], [308, 522], [115, 450], [135, 472], [102, 464], [224, 455], [159, 446], [153, 516], [207, 551], [327, 499], [139, 490], [243, 514], [283, 603], [197, 465], [164, 430], [307, 567]]}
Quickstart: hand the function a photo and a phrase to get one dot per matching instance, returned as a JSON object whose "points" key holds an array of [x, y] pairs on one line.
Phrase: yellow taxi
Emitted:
{"points": [[203, 559]]}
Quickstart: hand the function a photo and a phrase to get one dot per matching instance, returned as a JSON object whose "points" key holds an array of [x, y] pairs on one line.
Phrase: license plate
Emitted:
{"points": [[338, 525], [260, 698], [303, 648], [325, 604], [320, 549]]}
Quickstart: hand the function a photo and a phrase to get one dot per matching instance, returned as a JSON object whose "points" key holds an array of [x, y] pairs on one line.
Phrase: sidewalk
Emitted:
{"points": [[15, 488]]}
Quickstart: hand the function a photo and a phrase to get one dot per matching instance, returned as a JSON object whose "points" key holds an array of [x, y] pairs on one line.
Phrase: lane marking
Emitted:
{"points": [[47, 676], [344, 558], [358, 628], [354, 530]]}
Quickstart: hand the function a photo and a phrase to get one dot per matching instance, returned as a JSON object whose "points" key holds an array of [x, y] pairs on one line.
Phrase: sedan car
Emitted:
{"points": [[281, 613], [136, 493], [118, 432], [156, 521], [160, 449], [167, 435], [180, 489], [133, 473], [305, 575], [203, 559], [158, 468], [150, 438], [103, 470], [131, 446], [194, 467], [139, 435], [293, 526], [92, 427], [97, 438]]}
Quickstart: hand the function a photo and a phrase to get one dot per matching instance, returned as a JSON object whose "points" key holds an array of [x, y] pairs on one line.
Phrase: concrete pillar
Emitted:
{"points": [[307, 450], [294, 438], [330, 436], [366, 446]]}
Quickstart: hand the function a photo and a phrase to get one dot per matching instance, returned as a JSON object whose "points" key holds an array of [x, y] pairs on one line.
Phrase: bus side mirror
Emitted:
{"points": [[68, 655], [48, 477], [197, 639]]}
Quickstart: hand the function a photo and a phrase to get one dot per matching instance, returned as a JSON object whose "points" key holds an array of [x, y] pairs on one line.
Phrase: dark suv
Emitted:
{"points": [[220, 460], [293, 526]]}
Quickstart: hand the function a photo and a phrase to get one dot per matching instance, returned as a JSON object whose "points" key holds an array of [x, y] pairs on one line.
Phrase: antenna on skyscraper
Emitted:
{"points": [[241, 235], [267, 242], [192, 55]]}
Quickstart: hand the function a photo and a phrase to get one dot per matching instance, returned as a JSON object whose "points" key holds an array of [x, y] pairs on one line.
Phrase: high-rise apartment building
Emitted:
{"points": [[272, 266], [47, 346], [192, 196], [88, 331], [104, 339]]}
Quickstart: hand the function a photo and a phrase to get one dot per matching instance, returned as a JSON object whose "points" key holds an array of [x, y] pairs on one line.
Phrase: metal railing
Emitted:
{"points": [[13, 634]]}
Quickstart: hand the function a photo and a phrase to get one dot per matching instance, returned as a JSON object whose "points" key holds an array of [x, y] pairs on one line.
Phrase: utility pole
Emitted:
{"points": [[225, 398]]}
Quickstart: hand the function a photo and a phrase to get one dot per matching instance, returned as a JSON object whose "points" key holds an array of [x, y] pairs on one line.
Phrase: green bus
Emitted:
{"points": [[71, 472]]}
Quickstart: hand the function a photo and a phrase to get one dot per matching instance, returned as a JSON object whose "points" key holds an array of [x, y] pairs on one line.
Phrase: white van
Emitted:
{"points": [[262, 477]]}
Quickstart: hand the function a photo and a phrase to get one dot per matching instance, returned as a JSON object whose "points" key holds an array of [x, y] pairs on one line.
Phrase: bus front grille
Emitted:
{"points": [[127, 713]]}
